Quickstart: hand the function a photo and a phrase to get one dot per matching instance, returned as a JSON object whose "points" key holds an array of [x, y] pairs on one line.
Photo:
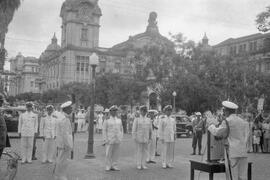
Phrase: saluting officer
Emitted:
{"points": [[142, 134], [112, 135], [27, 129], [64, 141], [48, 131], [235, 130], [167, 136]]}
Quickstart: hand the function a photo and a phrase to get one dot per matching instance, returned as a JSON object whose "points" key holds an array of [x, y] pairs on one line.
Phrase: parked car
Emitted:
{"points": [[183, 125], [11, 116]]}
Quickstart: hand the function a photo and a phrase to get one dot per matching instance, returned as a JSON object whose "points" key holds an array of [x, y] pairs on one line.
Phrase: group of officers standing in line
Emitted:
{"points": [[145, 131], [56, 127]]}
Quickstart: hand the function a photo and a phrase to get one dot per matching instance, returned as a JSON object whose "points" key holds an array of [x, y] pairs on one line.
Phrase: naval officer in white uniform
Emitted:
{"points": [[112, 136], [142, 134], [235, 130], [167, 136], [27, 129], [64, 141], [48, 132]]}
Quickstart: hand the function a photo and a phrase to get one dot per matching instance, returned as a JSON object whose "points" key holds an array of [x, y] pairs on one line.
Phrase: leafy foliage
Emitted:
{"points": [[263, 21]]}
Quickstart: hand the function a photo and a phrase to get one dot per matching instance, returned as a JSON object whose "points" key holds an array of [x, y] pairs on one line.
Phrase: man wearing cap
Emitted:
{"points": [[235, 130], [27, 129], [167, 136], [142, 134], [112, 136], [197, 125], [152, 145], [48, 131], [64, 141]]}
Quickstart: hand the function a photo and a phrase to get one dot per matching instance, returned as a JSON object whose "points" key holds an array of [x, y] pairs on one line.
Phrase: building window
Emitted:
{"points": [[102, 66], [117, 67], [33, 69], [32, 84], [82, 63], [78, 66], [84, 35]]}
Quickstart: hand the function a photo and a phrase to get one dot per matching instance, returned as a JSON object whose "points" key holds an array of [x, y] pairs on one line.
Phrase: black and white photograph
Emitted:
{"points": [[134, 89]]}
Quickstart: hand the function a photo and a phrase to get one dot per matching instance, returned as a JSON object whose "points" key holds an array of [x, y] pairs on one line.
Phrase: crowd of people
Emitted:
{"points": [[146, 126]]}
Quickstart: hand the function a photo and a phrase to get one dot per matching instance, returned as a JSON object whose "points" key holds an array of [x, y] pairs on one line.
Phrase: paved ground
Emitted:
{"points": [[81, 169]]}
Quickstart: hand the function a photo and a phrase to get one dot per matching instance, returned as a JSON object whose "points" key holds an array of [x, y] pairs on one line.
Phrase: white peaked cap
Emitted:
{"points": [[229, 105], [198, 113], [66, 104], [153, 111]]}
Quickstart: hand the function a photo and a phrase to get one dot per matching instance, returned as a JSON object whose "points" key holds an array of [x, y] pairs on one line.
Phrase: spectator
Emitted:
{"points": [[266, 133], [257, 133]]}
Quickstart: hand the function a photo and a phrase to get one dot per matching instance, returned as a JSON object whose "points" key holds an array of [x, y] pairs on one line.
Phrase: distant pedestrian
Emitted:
{"points": [[48, 132], [256, 136], [266, 135], [112, 135], [27, 129], [198, 126], [64, 141], [142, 134], [167, 136], [81, 120], [99, 122]]}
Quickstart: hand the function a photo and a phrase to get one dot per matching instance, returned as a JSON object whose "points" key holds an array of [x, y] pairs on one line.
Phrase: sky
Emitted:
{"points": [[35, 22]]}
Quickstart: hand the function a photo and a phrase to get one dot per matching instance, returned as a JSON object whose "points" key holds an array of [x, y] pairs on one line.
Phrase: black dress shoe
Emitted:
{"points": [[193, 154], [157, 154]]}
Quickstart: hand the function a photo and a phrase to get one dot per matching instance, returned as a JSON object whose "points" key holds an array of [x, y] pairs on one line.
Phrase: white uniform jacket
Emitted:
{"points": [[238, 134], [112, 130], [167, 129], [48, 126], [142, 129], [28, 124], [64, 132]]}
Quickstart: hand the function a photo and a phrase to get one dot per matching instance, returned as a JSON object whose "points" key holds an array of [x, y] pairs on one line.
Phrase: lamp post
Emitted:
{"points": [[174, 94], [90, 153]]}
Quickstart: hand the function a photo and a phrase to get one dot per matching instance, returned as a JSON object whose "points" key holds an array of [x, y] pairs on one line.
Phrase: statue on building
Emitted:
{"points": [[152, 23]]}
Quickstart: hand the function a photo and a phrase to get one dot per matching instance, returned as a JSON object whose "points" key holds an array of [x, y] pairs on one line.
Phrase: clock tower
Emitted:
{"points": [[80, 24]]}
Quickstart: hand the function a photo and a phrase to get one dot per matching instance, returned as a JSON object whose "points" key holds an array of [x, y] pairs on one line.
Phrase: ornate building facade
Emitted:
{"points": [[69, 61], [253, 48], [26, 75]]}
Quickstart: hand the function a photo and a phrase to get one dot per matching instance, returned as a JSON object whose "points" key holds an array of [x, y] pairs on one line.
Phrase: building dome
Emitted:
{"points": [[53, 46]]}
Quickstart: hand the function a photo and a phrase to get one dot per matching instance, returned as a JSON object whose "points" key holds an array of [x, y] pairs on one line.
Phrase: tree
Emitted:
{"points": [[263, 20], [7, 9]]}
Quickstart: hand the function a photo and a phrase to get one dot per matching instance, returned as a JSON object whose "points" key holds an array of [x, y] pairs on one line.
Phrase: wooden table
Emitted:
{"points": [[211, 168]]}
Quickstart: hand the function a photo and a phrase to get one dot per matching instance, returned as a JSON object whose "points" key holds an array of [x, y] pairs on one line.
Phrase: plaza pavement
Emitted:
{"points": [[93, 169]]}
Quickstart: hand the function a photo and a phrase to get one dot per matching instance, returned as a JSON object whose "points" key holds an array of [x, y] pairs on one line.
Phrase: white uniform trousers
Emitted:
{"points": [[112, 154], [62, 163], [141, 153], [48, 149], [151, 150], [81, 123], [239, 168], [27, 148], [167, 153]]}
